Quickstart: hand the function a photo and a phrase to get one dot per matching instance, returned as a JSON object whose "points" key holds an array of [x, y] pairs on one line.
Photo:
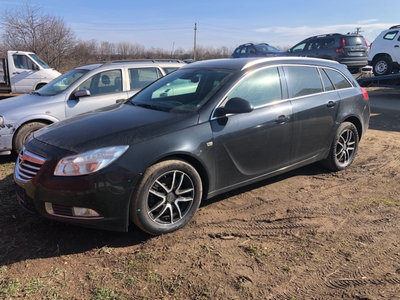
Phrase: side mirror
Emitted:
{"points": [[82, 93], [235, 106]]}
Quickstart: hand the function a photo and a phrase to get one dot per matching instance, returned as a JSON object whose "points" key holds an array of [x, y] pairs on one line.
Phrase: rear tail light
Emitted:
{"points": [[365, 93], [366, 43], [341, 48]]}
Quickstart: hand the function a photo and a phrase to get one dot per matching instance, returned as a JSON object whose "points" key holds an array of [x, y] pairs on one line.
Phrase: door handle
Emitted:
{"points": [[119, 100], [282, 119], [396, 46], [15, 73], [331, 104]]}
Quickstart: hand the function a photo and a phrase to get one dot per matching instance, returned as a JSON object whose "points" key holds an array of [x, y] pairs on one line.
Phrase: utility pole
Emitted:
{"points": [[194, 46]]}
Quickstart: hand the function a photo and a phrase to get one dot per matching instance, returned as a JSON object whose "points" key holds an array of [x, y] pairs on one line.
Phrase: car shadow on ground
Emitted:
{"points": [[24, 235], [29, 236]]}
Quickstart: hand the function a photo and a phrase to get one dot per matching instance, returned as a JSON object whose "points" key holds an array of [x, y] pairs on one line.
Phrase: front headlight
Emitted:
{"points": [[1, 121], [88, 162]]}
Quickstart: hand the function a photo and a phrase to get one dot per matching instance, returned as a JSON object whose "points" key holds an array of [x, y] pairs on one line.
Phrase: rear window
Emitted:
{"points": [[327, 83], [303, 81], [338, 80], [354, 41]]}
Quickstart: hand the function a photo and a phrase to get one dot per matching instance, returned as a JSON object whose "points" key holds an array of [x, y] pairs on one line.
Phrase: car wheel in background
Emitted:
{"points": [[23, 133], [344, 147], [167, 197], [382, 66]]}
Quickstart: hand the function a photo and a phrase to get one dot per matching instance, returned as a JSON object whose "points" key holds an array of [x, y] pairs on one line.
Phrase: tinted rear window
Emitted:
{"points": [[354, 41], [339, 81], [303, 81]]}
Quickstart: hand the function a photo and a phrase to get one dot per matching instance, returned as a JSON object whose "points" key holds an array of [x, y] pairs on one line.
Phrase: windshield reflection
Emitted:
{"points": [[185, 90], [62, 82]]}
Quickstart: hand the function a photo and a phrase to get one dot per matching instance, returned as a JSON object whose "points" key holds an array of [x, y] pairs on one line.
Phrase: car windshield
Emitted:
{"points": [[39, 61], [265, 48], [61, 83], [184, 90]]}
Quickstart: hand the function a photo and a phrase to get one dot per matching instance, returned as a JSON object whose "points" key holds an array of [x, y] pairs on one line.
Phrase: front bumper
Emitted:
{"points": [[354, 62], [5, 142], [108, 192]]}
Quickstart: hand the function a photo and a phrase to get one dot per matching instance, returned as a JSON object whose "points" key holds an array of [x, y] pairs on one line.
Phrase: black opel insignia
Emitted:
{"points": [[207, 128]]}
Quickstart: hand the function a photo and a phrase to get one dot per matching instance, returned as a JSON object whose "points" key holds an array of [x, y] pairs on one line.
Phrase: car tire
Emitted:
{"points": [[167, 197], [382, 66], [343, 148], [23, 133]]}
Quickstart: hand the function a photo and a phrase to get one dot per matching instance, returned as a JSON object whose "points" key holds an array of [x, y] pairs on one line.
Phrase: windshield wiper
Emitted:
{"points": [[149, 106], [35, 93]]}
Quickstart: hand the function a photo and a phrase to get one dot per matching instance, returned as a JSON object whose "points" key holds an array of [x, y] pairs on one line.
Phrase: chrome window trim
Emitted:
{"points": [[282, 100]]}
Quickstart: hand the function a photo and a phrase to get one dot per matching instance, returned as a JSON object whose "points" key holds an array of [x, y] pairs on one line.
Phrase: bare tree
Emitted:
{"points": [[28, 29]]}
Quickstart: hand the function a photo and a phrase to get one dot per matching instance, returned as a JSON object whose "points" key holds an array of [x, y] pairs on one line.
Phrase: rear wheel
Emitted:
{"points": [[382, 66], [167, 197], [23, 133], [344, 147]]}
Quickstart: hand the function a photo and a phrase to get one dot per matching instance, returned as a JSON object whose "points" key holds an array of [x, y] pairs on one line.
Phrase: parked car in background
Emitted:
{"points": [[348, 49], [24, 72], [384, 55], [256, 50], [153, 159], [78, 91]]}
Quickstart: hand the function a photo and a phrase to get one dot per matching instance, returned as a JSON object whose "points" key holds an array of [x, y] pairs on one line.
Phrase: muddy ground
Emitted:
{"points": [[308, 234]]}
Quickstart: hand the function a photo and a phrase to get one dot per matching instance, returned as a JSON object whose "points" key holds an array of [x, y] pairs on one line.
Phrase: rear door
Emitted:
{"points": [[315, 104], [251, 144], [141, 77]]}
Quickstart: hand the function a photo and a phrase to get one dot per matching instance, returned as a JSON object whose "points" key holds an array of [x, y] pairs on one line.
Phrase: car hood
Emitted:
{"points": [[125, 124], [19, 101]]}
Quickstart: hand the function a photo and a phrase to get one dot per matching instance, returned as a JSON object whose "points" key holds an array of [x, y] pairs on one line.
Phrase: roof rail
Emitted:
{"points": [[172, 60], [395, 26], [323, 35]]}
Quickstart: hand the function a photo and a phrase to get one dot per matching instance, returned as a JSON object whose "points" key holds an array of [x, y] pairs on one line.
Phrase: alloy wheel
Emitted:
{"points": [[345, 147], [170, 197]]}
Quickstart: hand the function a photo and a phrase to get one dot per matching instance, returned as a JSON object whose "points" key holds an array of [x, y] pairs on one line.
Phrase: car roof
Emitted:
{"points": [[136, 63], [238, 64]]}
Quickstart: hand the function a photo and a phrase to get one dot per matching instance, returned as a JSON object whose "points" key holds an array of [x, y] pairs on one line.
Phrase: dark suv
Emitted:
{"points": [[207, 128], [348, 49], [256, 50]]}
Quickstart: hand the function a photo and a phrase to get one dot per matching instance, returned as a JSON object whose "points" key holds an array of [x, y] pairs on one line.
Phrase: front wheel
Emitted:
{"points": [[167, 197], [24, 132], [343, 149]]}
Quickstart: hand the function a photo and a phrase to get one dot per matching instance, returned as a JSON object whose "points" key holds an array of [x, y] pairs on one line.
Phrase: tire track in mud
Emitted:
{"points": [[341, 288]]}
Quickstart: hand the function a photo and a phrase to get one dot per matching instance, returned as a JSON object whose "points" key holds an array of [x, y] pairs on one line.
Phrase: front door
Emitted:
{"points": [[253, 144], [105, 89]]}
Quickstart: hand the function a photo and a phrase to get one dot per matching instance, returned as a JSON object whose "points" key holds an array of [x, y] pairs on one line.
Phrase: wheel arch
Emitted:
{"points": [[39, 120], [39, 85], [356, 122], [195, 163], [382, 54]]}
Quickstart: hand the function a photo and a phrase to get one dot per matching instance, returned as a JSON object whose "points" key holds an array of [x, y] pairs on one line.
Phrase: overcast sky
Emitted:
{"points": [[169, 24]]}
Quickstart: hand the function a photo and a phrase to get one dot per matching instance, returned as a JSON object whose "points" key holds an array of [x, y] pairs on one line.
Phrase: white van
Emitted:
{"points": [[24, 72]]}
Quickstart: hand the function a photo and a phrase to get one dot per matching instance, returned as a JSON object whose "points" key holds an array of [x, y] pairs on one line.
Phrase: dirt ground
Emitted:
{"points": [[308, 234]]}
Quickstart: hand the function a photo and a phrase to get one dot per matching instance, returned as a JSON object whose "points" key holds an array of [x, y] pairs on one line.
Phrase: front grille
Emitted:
{"points": [[28, 165]]}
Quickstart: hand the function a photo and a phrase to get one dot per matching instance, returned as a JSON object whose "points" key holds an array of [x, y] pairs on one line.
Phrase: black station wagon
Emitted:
{"points": [[209, 127]]}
